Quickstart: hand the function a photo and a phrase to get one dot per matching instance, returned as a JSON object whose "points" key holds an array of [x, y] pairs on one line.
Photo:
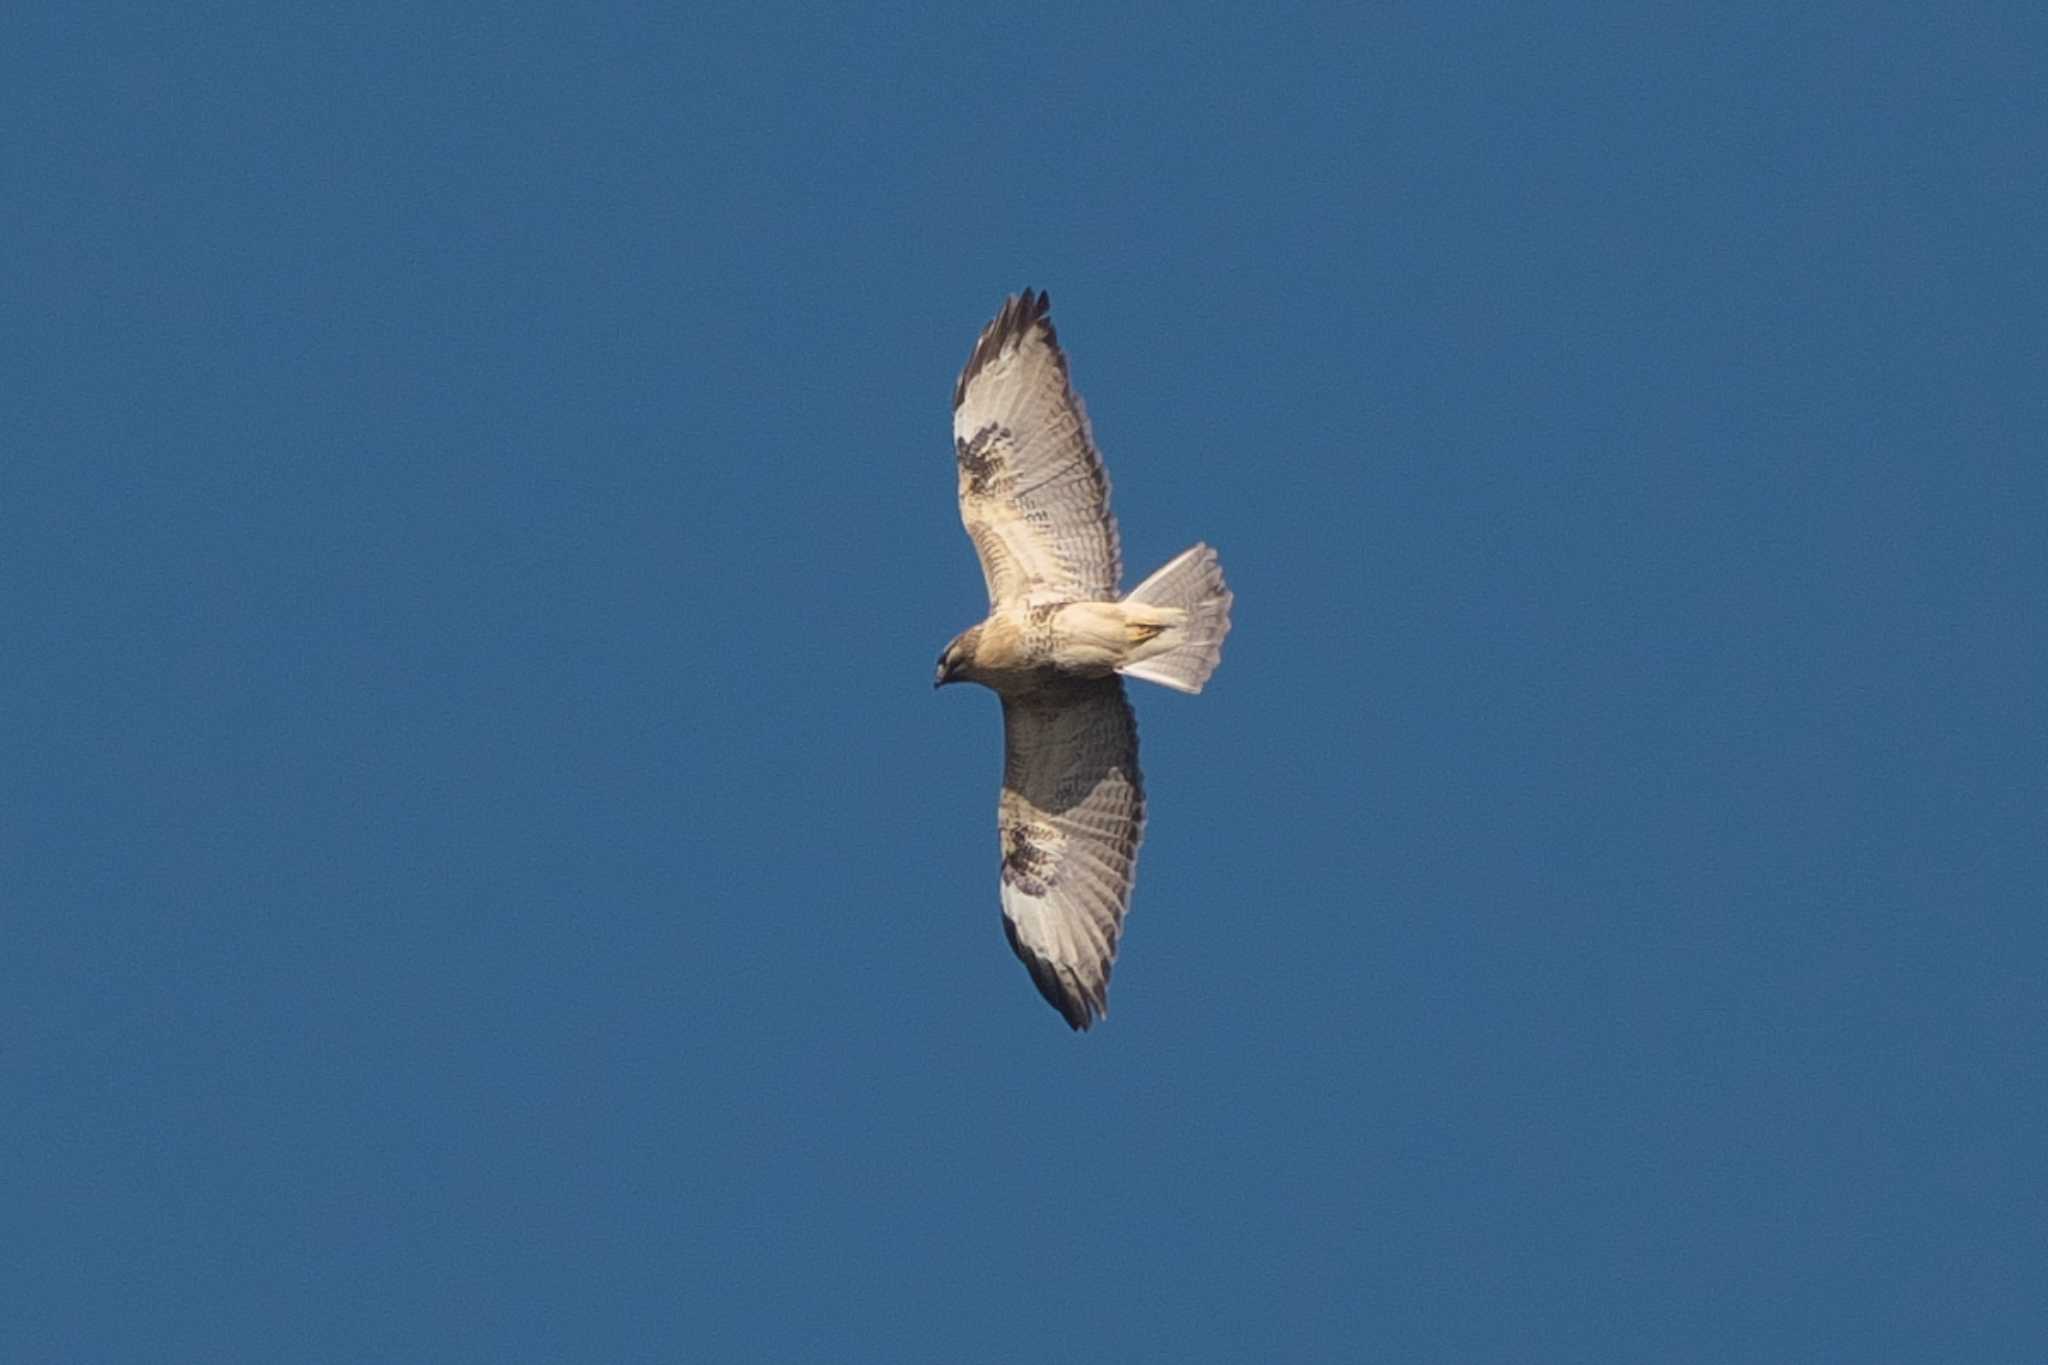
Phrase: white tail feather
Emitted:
{"points": [[1192, 581]]}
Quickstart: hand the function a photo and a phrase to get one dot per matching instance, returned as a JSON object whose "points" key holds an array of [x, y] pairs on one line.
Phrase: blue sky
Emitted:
{"points": [[486, 876]]}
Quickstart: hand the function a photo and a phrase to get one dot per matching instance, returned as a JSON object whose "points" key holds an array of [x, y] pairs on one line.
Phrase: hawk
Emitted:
{"points": [[1056, 646]]}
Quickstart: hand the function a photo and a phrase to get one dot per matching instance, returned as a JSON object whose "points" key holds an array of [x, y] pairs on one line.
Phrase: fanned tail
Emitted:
{"points": [[1192, 581]]}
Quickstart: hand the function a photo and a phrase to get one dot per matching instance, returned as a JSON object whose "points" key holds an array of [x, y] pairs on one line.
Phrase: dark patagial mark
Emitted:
{"points": [[980, 457], [1028, 864]]}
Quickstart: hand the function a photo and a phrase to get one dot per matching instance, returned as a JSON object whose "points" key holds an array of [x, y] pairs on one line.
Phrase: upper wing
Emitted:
{"points": [[1033, 493], [1072, 813]]}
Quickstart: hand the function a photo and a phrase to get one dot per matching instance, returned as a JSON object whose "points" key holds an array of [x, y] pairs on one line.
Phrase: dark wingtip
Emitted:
{"points": [[1018, 315], [1076, 1009]]}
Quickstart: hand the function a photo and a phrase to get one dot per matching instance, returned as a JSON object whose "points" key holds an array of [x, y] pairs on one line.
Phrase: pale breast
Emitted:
{"points": [[1007, 644], [1016, 651]]}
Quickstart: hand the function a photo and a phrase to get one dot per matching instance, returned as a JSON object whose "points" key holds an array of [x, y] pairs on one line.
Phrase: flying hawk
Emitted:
{"points": [[1035, 500]]}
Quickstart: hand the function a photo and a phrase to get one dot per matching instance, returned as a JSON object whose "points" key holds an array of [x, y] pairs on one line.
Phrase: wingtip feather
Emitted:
{"points": [[1019, 313]]}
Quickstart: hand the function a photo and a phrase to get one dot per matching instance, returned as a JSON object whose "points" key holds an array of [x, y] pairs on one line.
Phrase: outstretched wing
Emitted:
{"points": [[1033, 493], [1072, 813]]}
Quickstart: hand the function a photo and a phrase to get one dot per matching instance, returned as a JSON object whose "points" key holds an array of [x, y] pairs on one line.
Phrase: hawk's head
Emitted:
{"points": [[955, 658]]}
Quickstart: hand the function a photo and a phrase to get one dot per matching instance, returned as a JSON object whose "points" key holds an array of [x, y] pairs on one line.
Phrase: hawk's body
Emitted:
{"points": [[1035, 501]]}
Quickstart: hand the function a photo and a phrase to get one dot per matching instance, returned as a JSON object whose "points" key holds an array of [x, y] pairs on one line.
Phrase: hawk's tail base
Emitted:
{"points": [[1192, 581]]}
